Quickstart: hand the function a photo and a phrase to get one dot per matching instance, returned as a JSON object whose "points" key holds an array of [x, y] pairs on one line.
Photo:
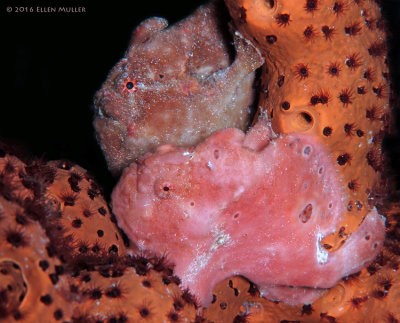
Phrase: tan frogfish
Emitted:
{"points": [[176, 85]]}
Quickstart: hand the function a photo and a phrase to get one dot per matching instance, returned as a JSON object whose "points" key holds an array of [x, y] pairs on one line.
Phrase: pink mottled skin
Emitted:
{"points": [[175, 85], [245, 205]]}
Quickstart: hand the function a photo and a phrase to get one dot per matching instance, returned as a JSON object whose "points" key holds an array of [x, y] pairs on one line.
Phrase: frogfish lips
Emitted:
{"points": [[109, 126], [233, 206], [107, 105]]}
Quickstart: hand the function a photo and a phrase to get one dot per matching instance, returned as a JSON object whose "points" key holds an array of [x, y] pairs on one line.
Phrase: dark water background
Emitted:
{"points": [[53, 63]]}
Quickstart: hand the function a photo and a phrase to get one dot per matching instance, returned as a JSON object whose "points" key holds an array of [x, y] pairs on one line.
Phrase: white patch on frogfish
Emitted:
{"points": [[221, 238], [238, 192], [322, 255], [141, 244], [198, 263], [220, 241]]}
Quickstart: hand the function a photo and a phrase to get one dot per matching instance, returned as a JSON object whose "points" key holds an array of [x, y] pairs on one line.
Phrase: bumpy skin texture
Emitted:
{"points": [[61, 263], [326, 75], [205, 206], [175, 85], [371, 295]]}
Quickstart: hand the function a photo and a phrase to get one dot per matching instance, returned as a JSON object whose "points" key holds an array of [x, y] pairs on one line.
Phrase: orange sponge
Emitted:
{"points": [[326, 74], [27, 272], [89, 231]]}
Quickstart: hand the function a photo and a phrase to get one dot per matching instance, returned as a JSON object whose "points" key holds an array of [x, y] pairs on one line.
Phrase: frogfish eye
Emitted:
{"points": [[129, 85]]}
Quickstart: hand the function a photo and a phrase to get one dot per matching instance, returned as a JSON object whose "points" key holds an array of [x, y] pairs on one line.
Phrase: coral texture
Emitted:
{"points": [[229, 193], [62, 258], [370, 295], [22, 247], [85, 217], [326, 74], [175, 85]]}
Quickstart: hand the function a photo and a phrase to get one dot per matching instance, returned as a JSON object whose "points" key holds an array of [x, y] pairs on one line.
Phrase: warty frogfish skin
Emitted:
{"points": [[175, 85], [245, 204]]}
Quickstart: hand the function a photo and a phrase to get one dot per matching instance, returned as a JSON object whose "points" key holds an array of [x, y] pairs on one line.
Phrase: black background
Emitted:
{"points": [[53, 63]]}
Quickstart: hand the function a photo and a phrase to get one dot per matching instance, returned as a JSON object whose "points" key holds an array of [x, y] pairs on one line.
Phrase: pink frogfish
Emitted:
{"points": [[175, 85], [254, 205]]}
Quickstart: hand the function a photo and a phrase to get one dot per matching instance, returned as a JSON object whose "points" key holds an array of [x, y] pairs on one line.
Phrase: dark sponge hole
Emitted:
{"points": [[270, 3], [306, 117]]}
